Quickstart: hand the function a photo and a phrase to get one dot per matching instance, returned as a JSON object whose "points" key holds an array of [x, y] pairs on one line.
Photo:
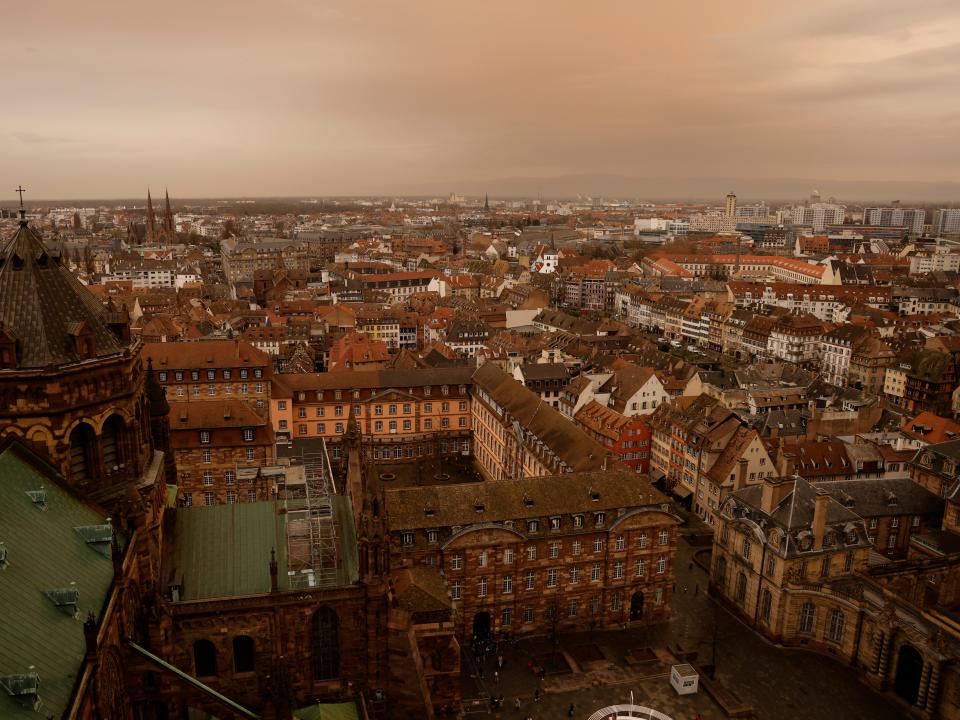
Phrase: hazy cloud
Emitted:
{"points": [[299, 97]]}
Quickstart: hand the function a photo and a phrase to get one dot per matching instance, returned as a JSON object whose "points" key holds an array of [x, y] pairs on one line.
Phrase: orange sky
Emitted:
{"points": [[292, 97]]}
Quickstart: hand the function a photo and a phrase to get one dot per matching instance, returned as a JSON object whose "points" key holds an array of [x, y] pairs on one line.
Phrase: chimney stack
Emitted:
{"points": [[774, 490], [819, 517]]}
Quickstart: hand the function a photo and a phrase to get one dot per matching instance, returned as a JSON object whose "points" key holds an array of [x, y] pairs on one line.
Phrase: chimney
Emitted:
{"points": [[274, 585], [819, 517], [773, 491]]}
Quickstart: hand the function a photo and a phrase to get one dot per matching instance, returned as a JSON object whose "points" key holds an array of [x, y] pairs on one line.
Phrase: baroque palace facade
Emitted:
{"points": [[795, 561]]}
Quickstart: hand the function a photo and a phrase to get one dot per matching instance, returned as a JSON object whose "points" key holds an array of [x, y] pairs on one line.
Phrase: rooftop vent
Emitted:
{"points": [[64, 598], [97, 536], [20, 685], [528, 502], [38, 498], [594, 496], [429, 512], [478, 507]]}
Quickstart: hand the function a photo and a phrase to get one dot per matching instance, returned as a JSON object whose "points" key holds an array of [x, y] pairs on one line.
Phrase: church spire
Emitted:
{"points": [[168, 218], [486, 202], [151, 220]]}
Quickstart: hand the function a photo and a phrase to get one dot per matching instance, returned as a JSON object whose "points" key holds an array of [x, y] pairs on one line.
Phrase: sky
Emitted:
{"points": [[322, 97]]}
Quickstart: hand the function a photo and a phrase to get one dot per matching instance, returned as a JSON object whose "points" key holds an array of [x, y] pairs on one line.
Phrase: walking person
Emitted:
{"points": [[536, 695], [570, 711]]}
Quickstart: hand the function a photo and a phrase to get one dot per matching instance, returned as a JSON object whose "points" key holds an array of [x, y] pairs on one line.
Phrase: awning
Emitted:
{"points": [[681, 491]]}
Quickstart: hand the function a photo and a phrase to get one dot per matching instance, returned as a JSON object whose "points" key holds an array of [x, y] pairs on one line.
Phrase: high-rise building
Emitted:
{"points": [[731, 207], [910, 218], [947, 221], [819, 215]]}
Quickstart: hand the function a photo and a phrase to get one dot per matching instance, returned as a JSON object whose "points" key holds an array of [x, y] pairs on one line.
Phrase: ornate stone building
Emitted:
{"points": [[793, 561], [72, 381]]}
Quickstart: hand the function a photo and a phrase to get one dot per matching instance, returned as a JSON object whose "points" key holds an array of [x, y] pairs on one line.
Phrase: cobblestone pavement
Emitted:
{"points": [[777, 683]]}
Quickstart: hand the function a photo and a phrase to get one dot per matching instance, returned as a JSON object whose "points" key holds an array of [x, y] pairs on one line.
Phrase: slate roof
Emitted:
{"points": [[40, 300], [533, 497], [879, 497], [566, 441], [45, 552]]}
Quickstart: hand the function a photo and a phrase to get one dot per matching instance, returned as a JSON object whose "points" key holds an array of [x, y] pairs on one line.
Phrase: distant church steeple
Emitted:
{"points": [[486, 203], [151, 220], [168, 225]]}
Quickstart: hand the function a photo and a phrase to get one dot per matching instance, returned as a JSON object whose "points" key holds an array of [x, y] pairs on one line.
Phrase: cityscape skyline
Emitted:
{"points": [[433, 99]]}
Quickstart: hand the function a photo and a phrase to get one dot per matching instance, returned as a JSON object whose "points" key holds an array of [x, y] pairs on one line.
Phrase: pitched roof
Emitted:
{"points": [[206, 353], [564, 439], [45, 552], [533, 497], [42, 303]]}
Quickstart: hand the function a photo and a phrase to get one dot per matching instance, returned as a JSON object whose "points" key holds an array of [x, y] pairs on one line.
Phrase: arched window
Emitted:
{"points": [[765, 603], [204, 658], [325, 644], [836, 626], [806, 617], [82, 457], [722, 572], [741, 587], [112, 444], [244, 650]]}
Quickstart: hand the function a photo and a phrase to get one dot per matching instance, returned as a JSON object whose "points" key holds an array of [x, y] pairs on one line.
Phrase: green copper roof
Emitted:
{"points": [[47, 559], [222, 551]]}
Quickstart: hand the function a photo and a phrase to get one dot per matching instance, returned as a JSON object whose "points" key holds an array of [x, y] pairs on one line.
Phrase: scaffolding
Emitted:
{"points": [[313, 555]]}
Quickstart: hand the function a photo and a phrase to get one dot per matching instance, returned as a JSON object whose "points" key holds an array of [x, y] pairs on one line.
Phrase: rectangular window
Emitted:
{"points": [[251, 496], [455, 590], [529, 580], [482, 558], [508, 583], [231, 497], [431, 536], [456, 562], [206, 456], [599, 518], [339, 428], [531, 552], [554, 550], [576, 547], [207, 477], [664, 537], [528, 615], [638, 570], [574, 575], [621, 542], [251, 454], [229, 477], [211, 389], [618, 570], [508, 556], [552, 577], [408, 538], [302, 428], [598, 545], [578, 521], [595, 572], [661, 565], [642, 541], [573, 608], [807, 612], [482, 587], [205, 437], [506, 617], [187, 499]]}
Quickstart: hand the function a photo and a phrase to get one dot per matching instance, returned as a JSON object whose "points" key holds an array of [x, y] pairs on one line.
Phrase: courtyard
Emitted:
{"points": [[591, 670]]}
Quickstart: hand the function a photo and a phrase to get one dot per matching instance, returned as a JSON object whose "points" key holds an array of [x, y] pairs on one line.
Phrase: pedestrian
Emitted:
{"points": [[570, 710], [684, 589], [496, 676], [499, 662], [543, 673], [516, 704], [536, 695]]}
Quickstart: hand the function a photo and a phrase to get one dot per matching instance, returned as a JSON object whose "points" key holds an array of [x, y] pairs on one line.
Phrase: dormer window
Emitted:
{"points": [[204, 437], [599, 518]]}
